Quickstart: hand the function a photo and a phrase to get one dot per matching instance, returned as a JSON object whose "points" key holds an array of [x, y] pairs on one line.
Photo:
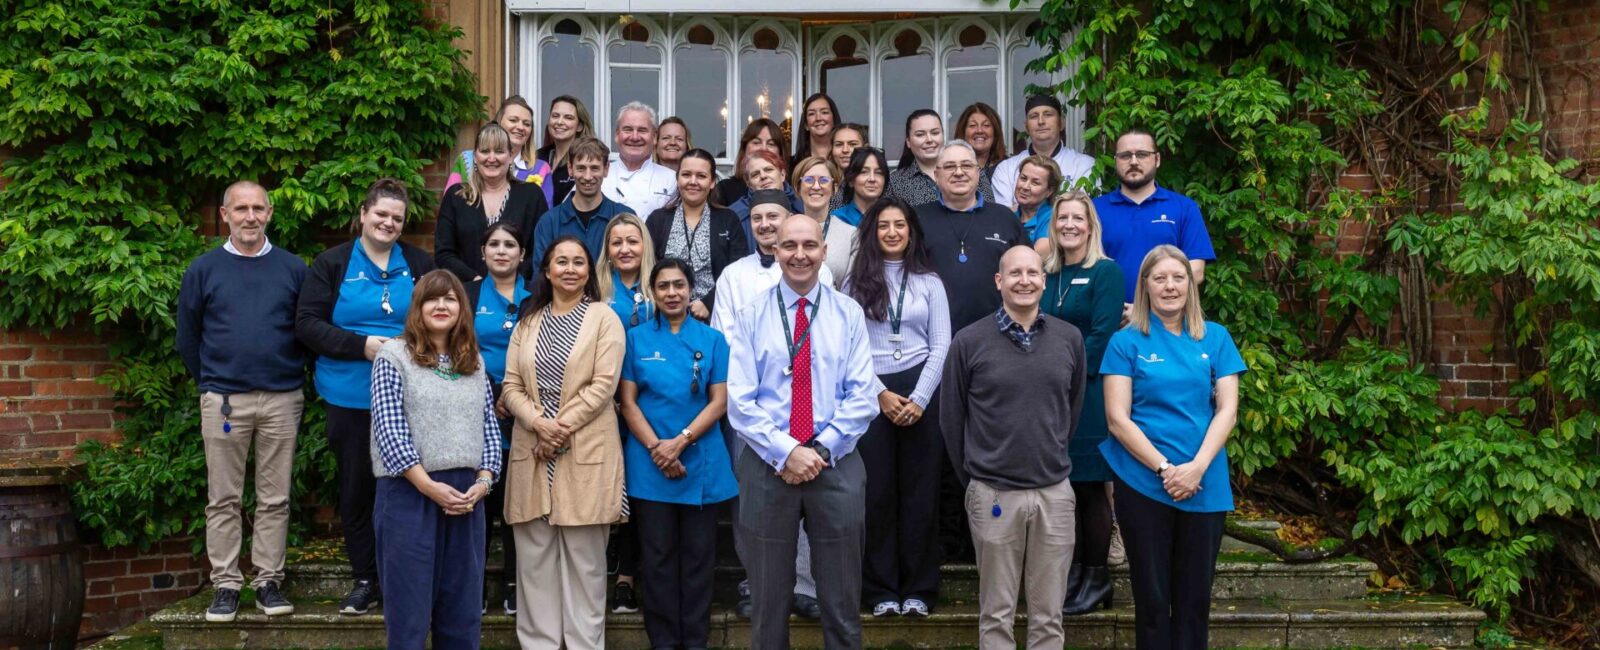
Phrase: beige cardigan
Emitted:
{"points": [[588, 485]]}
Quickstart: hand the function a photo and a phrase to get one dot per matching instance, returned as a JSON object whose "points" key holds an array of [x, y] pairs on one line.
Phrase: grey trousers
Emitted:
{"points": [[804, 584], [833, 506]]}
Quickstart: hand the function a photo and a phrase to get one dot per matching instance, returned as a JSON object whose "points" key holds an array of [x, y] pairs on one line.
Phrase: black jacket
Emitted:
{"points": [[727, 240], [458, 234], [313, 319]]}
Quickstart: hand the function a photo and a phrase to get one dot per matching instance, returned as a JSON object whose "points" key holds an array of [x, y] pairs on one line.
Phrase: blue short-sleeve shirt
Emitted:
{"points": [[629, 302], [1039, 226], [1173, 377], [671, 395], [1129, 230], [348, 382], [848, 213], [494, 321]]}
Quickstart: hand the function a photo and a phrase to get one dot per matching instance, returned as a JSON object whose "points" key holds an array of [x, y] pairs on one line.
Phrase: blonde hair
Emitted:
{"points": [[1058, 254], [1193, 316], [799, 170], [490, 137], [647, 259]]}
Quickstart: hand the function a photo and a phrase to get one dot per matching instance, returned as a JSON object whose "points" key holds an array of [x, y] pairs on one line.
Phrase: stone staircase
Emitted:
{"points": [[1258, 603]]}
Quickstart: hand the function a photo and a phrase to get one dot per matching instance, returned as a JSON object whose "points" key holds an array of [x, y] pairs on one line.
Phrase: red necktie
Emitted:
{"points": [[801, 426]]}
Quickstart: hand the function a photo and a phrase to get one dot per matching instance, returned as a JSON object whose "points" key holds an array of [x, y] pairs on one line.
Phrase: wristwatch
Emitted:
{"points": [[1163, 467], [686, 433], [827, 456]]}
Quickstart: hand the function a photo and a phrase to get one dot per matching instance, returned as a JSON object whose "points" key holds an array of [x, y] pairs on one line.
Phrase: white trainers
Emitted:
{"points": [[914, 607], [886, 608]]}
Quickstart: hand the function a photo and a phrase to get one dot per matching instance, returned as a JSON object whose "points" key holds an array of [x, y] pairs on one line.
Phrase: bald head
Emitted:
{"points": [[1020, 281], [800, 251]]}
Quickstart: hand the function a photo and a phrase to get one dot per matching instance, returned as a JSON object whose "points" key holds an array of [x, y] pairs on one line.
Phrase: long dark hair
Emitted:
{"points": [[865, 282], [461, 343], [802, 147], [711, 197], [908, 159], [858, 161], [668, 263], [544, 292]]}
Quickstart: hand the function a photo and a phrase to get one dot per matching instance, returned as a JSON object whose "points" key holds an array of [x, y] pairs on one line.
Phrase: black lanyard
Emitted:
{"points": [[900, 303], [788, 336]]}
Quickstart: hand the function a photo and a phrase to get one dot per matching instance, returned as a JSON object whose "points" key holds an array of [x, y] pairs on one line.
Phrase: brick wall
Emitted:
{"points": [[49, 399], [125, 585]]}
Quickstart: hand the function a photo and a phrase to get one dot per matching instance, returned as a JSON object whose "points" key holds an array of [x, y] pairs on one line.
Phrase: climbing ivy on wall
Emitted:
{"points": [[124, 120]]}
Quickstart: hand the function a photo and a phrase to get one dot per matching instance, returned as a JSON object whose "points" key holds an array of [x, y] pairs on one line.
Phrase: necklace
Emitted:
{"points": [[494, 217], [443, 369]]}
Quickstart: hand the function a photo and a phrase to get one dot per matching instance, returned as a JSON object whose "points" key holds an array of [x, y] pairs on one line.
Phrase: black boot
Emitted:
{"points": [[1074, 580], [1095, 593]]}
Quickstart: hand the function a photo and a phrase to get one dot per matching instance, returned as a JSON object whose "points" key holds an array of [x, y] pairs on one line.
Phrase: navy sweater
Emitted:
{"points": [[236, 322]]}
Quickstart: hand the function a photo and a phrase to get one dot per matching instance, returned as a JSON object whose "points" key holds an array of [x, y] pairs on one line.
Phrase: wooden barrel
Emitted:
{"points": [[41, 561]]}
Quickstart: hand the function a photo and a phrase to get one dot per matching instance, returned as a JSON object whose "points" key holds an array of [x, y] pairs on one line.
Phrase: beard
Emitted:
{"points": [[1136, 184]]}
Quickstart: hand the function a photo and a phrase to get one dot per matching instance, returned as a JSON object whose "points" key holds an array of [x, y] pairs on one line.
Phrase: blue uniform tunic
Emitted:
{"points": [[1131, 230], [1173, 376], [662, 364], [849, 213], [494, 321], [1039, 226], [348, 382], [626, 305]]}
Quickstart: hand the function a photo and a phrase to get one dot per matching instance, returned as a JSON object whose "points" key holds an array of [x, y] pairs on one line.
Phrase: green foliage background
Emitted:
{"points": [[1257, 108], [126, 118]]}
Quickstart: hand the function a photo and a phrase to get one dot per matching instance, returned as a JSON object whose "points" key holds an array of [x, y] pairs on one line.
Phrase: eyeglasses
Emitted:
{"points": [[816, 180], [954, 167], [1126, 156]]}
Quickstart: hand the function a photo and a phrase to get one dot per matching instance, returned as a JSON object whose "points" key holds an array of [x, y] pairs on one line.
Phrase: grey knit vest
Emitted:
{"points": [[445, 416]]}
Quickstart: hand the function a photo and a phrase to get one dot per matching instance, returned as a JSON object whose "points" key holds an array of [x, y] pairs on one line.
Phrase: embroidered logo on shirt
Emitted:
{"points": [[656, 356], [361, 276], [1164, 219], [484, 310], [1153, 358], [996, 239]]}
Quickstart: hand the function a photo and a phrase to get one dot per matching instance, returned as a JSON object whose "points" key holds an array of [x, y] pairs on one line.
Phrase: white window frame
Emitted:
{"points": [[669, 33]]}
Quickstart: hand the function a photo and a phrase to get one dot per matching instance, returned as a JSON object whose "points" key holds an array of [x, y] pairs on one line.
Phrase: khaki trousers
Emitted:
{"points": [[269, 420], [561, 586], [1034, 533]]}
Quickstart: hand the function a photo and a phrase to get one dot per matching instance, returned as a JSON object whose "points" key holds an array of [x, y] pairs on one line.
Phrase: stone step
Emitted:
{"points": [[1239, 577], [1231, 545], [1365, 623]]}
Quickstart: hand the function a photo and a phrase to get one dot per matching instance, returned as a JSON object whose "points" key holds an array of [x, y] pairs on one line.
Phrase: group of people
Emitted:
{"points": [[615, 351]]}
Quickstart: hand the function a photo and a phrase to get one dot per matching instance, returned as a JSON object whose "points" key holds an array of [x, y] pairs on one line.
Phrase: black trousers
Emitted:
{"points": [[901, 558], [350, 438], [496, 516], [678, 549], [1094, 523], [1172, 558]]}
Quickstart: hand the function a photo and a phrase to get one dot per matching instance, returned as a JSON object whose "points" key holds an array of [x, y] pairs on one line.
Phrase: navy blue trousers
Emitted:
{"points": [[430, 565]]}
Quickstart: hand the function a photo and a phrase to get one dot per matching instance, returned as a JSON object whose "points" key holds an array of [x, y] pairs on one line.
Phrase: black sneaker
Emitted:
{"points": [[270, 600], [510, 602], [224, 606], [360, 599], [623, 601]]}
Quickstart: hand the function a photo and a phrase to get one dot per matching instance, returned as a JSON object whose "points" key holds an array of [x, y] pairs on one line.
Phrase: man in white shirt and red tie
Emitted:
{"points": [[804, 344]]}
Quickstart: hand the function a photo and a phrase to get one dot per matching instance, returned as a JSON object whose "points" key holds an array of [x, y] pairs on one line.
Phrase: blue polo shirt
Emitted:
{"points": [[1129, 230], [849, 213], [629, 303], [672, 392], [1039, 226], [1173, 378], [348, 382]]}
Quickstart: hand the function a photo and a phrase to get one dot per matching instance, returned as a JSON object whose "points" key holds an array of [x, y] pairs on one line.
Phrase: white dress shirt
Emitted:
{"points": [[643, 190], [743, 281], [1073, 166], [843, 400]]}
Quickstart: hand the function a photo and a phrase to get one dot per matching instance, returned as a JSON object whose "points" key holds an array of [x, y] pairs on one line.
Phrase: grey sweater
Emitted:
{"points": [[434, 421], [1007, 414]]}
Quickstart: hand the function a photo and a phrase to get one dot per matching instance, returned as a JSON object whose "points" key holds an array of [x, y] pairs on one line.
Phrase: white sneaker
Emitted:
{"points": [[914, 607], [886, 608]]}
